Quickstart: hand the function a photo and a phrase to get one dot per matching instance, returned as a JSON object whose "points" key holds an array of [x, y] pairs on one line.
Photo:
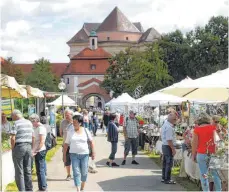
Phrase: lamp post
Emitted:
{"points": [[62, 87]]}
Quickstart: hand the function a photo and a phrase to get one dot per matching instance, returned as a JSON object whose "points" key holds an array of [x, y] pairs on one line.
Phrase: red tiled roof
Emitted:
{"points": [[92, 54], [57, 68], [89, 81]]}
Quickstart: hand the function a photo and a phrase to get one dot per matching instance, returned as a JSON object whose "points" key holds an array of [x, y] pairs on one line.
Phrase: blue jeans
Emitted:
{"points": [[40, 169], [202, 162], [86, 125], [114, 146], [79, 167], [90, 126], [167, 162]]}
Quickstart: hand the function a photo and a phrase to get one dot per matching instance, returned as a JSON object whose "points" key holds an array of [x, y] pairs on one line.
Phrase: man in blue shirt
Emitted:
{"points": [[168, 137]]}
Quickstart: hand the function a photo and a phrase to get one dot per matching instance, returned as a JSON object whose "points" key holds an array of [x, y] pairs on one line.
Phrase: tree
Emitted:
{"points": [[174, 49], [209, 47], [42, 76], [10, 68], [131, 69]]}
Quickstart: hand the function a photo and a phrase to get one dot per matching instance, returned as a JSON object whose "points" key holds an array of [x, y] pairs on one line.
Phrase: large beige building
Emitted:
{"points": [[90, 49]]}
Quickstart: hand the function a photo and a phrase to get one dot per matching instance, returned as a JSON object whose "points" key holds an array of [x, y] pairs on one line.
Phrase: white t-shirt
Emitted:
{"points": [[6, 127], [41, 130], [78, 142]]}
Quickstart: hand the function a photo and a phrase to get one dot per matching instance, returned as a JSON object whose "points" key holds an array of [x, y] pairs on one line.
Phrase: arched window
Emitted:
{"points": [[93, 42]]}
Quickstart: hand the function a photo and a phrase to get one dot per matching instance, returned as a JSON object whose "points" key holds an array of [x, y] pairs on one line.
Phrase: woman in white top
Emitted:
{"points": [[79, 141], [39, 151], [6, 126]]}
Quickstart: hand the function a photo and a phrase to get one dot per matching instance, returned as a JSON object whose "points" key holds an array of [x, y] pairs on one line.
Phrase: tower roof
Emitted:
{"points": [[150, 35], [117, 21], [80, 36]]}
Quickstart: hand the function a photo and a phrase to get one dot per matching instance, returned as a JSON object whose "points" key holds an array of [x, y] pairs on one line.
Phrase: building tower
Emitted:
{"points": [[93, 40]]}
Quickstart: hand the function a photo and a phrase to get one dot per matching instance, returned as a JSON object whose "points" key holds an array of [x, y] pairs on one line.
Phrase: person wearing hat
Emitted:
{"points": [[131, 132], [202, 145]]}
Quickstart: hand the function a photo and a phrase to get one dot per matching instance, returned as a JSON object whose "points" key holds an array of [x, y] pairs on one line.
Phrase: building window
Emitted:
{"points": [[67, 81], [127, 38], [93, 42], [93, 66], [108, 38]]}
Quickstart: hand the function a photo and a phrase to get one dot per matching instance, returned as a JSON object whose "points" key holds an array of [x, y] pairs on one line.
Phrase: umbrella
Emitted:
{"points": [[212, 87], [11, 89], [33, 92]]}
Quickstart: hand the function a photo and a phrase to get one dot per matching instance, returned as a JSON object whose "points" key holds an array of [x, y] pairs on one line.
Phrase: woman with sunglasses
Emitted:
{"points": [[79, 140]]}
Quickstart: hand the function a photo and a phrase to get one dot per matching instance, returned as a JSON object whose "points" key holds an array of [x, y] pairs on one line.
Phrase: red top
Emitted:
{"points": [[205, 138], [121, 120]]}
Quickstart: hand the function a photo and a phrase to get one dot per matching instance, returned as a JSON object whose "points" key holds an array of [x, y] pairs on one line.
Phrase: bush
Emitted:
{"points": [[5, 141]]}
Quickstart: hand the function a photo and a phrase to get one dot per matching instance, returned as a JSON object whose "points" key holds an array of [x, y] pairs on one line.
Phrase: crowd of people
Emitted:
{"points": [[201, 141], [28, 143]]}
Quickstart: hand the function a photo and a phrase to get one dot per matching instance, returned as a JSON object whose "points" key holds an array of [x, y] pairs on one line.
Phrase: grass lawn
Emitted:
{"points": [[183, 181], [12, 186]]}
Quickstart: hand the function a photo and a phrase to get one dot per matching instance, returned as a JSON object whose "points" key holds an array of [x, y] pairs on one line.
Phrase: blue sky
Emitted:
{"points": [[31, 29]]}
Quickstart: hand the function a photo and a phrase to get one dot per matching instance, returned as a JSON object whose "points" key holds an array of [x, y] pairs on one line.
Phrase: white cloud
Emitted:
{"points": [[27, 6], [47, 26], [16, 28], [32, 29], [167, 15]]}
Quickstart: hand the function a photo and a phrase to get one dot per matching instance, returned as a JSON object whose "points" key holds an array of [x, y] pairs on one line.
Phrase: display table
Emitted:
{"points": [[191, 168], [221, 165], [178, 155]]}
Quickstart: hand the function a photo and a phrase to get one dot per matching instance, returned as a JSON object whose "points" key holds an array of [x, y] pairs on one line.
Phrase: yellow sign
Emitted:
{"points": [[7, 106]]}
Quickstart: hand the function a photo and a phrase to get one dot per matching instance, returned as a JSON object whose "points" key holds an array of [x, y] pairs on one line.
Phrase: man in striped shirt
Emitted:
{"points": [[21, 144]]}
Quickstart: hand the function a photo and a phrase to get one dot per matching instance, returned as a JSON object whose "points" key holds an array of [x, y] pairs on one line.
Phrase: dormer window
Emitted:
{"points": [[108, 38], [93, 42], [127, 38], [93, 66]]}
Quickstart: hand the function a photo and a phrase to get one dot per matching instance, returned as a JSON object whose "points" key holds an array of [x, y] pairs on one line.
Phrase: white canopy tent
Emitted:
{"points": [[214, 87], [158, 98], [67, 101], [124, 99], [122, 103]]}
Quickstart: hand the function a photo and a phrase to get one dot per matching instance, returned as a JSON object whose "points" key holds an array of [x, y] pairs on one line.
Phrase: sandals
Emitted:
{"points": [[170, 182]]}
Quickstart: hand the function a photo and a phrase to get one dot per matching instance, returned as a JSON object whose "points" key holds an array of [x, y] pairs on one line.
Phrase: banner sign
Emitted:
{"points": [[7, 104]]}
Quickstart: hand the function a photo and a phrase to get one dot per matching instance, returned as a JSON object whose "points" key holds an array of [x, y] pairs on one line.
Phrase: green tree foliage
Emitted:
{"points": [[199, 52], [42, 76], [175, 56], [10, 68], [130, 69]]}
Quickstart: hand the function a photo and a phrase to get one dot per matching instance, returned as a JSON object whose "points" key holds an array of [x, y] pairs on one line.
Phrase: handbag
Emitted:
{"points": [[89, 143]]}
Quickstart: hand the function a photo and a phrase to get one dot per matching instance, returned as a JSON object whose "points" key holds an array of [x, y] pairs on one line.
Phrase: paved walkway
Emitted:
{"points": [[143, 177]]}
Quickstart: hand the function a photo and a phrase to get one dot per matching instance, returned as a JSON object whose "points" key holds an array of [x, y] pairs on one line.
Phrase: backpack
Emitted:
{"points": [[50, 141]]}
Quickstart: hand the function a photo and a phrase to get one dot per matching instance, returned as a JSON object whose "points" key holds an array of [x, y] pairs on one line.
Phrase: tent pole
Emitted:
{"points": [[10, 100]]}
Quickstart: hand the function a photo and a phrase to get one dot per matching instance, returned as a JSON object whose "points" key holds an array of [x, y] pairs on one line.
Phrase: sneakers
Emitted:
{"points": [[114, 165], [68, 178], [123, 162], [135, 162], [108, 164]]}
